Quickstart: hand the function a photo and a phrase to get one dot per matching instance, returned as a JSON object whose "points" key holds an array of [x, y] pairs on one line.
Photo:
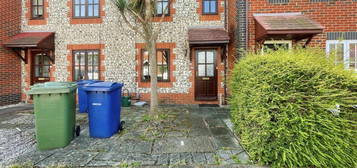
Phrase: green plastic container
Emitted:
{"points": [[126, 100], [55, 109]]}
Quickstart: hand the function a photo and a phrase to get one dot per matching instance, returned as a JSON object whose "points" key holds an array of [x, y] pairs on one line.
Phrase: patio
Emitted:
{"points": [[180, 136]]}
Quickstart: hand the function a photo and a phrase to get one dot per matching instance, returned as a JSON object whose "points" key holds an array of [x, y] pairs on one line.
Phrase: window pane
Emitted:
{"points": [[164, 7], [96, 73], [90, 58], [77, 10], [206, 6], [90, 10], [82, 74], [96, 1], [40, 2], [201, 57], [339, 53], [90, 1], [96, 10], [83, 1], [82, 58], [210, 57], [213, 7], [95, 58], [76, 73], [210, 70], [40, 11], [165, 73], [159, 8], [77, 2], [83, 10], [90, 72], [34, 12], [77, 58], [201, 70], [353, 56]]}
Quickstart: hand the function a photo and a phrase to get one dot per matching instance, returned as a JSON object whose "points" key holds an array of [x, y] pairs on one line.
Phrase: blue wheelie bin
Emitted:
{"points": [[104, 107], [82, 96]]}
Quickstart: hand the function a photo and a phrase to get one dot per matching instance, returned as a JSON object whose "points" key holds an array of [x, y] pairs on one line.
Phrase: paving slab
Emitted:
{"points": [[183, 136]]}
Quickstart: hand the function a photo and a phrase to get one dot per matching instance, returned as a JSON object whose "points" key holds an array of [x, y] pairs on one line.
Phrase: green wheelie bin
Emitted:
{"points": [[55, 114]]}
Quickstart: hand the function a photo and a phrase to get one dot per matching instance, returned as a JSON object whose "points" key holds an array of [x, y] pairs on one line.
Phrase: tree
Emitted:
{"points": [[138, 15]]}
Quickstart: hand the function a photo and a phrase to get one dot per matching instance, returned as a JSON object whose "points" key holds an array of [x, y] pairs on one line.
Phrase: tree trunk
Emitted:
{"points": [[151, 47]]}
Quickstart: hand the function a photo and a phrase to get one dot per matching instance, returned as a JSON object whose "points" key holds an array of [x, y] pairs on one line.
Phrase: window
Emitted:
{"points": [[206, 63], [276, 44], [209, 6], [42, 66], [86, 8], [162, 6], [163, 72], [37, 8], [344, 51], [86, 65]]}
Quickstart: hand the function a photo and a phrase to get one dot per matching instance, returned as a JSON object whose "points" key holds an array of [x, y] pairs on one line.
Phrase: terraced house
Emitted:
{"points": [[69, 40]]}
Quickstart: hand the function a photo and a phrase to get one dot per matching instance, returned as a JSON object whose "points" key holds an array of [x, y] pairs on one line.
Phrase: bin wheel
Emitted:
{"points": [[78, 130], [121, 125]]}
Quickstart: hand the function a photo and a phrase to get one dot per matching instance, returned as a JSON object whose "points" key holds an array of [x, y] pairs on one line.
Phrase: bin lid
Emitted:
{"points": [[52, 87], [83, 82], [103, 86]]}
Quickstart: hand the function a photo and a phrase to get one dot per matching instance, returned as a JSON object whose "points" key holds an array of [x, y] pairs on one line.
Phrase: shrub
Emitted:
{"points": [[294, 109]]}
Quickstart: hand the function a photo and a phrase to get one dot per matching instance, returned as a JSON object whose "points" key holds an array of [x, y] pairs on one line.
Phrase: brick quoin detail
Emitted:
{"points": [[73, 47], [210, 17], [172, 13], [335, 16], [138, 68], [98, 20], [10, 64], [36, 21]]}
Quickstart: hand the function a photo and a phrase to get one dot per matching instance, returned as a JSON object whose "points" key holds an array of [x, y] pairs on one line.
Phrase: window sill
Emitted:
{"points": [[98, 20]]}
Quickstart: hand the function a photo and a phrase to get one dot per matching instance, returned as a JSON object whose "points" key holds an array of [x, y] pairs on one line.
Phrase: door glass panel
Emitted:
{"points": [[37, 59], [37, 71], [46, 60], [201, 57], [210, 56], [46, 71], [201, 70], [210, 70]]}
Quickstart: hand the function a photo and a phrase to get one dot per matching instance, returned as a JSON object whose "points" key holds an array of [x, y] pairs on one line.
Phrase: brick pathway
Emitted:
{"points": [[182, 136]]}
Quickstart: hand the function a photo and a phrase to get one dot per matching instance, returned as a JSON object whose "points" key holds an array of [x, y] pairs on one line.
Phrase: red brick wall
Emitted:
{"points": [[10, 64], [335, 16]]}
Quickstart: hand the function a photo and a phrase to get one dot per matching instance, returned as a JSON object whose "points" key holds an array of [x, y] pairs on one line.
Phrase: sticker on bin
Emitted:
{"points": [[96, 104]]}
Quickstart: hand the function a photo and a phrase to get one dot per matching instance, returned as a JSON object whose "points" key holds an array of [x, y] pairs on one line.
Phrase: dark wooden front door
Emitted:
{"points": [[40, 68], [206, 75]]}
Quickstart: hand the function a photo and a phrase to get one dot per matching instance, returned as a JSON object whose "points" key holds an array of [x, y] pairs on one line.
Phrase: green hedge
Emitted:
{"points": [[284, 109]]}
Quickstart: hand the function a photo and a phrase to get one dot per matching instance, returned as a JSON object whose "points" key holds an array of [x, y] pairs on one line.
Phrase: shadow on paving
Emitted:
{"points": [[179, 136]]}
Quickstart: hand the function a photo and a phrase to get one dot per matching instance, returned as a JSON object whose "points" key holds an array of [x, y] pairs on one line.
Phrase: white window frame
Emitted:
{"points": [[346, 50], [289, 42]]}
